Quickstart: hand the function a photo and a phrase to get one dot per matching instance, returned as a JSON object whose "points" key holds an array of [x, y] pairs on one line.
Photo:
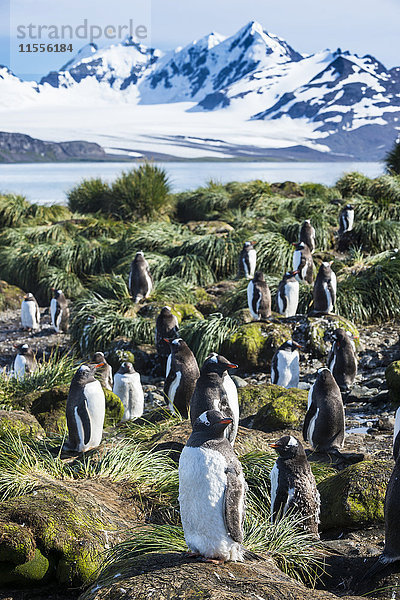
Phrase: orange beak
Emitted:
{"points": [[226, 421], [274, 445], [232, 366], [99, 365]]}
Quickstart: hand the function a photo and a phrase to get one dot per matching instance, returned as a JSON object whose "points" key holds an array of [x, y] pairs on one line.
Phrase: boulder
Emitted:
{"points": [[173, 575], [19, 422], [273, 407], [392, 375], [355, 497], [253, 345], [319, 330], [10, 296], [114, 409]]}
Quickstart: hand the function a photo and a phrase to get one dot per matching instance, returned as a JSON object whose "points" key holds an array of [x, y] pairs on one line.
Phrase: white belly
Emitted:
{"points": [[311, 427], [250, 294], [19, 367], [233, 401], [274, 477], [168, 365], [149, 286], [28, 315], [172, 391], [96, 406], [350, 218], [288, 369], [129, 390], [252, 260], [296, 259], [202, 484], [396, 425], [292, 298]]}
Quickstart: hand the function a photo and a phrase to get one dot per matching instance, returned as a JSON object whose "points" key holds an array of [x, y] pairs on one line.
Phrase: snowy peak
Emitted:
{"points": [[263, 43], [84, 52]]}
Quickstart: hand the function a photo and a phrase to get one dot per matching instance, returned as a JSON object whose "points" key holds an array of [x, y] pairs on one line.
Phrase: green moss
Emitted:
{"points": [[392, 375], [254, 344], [17, 544], [10, 296], [114, 409], [186, 311], [34, 570], [49, 408], [318, 327], [275, 407], [356, 495], [20, 423]]}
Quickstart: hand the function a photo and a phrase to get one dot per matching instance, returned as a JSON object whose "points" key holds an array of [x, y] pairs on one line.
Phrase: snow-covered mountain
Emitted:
{"points": [[250, 94]]}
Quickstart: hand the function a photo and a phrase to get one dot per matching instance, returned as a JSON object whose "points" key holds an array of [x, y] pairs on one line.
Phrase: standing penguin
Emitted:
{"points": [[212, 491], [30, 313], [346, 219], [293, 485], [342, 360], [324, 422], [140, 280], [129, 390], [59, 312], [247, 261], [104, 372], [85, 411], [259, 297], [166, 327], [216, 390], [303, 262], [285, 370], [181, 376], [24, 362], [324, 289], [287, 295], [307, 235]]}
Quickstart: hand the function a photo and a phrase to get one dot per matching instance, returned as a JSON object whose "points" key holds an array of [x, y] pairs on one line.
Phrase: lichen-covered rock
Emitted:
{"points": [[207, 307], [19, 422], [273, 407], [392, 375], [356, 495], [10, 296], [186, 311], [49, 408], [253, 345], [32, 571], [114, 409], [319, 330]]}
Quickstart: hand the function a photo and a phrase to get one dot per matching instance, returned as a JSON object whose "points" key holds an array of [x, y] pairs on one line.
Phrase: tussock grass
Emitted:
{"points": [[219, 253], [192, 269], [173, 289], [145, 431], [207, 335], [274, 253], [377, 236]]}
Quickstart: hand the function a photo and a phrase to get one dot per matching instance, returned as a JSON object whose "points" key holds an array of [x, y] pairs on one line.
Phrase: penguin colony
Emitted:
{"points": [[212, 487]]}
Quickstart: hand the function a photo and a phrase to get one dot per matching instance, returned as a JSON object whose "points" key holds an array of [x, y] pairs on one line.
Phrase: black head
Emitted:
{"points": [[341, 337], [307, 222], [325, 270], [98, 357], [211, 425], [139, 258], [165, 311], [259, 276], [325, 376], [57, 293], [85, 374], [291, 345], [23, 349], [176, 344], [248, 245], [126, 367], [299, 245], [290, 274], [288, 447], [29, 296], [349, 207], [215, 363]]}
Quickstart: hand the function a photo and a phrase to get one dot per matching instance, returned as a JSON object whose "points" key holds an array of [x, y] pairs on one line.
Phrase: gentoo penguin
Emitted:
{"points": [[342, 360], [285, 368], [181, 376], [259, 297], [166, 327], [303, 262], [85, 411], [293, 486], [247, 261], [129, 390], [396, 436], [216, 390], [287, 295], [30, 313], [307, 235], [59, 312], [324, 422], [324, 289], [24, 362], [346, 219], [104, 372], [212, 491], [140, 280]]}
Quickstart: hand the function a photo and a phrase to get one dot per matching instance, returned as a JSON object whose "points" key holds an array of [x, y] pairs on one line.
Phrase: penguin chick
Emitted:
{"points": [[30, 313], [259, 297], [181, 376], [216, 390], [346, 219], [307, 235], [342, 360], [140, 281], [247, 261], [303, 262], [166, 327], [59, 312], [324, 421], [104, 372], [293, 486], [85, 411], [212, 491], [24, 362], [324, 289], [287, 296], [128, 388], [285, 370]]}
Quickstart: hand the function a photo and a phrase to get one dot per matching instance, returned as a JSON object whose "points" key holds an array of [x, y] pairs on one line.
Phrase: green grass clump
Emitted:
{"points": [[219, 253], [203, 204], [207, 335], [90, 196], [392, 159], [353, 183], [274, 253]]}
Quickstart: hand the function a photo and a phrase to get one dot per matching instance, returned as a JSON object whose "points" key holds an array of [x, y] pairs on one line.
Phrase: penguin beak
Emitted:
{"points": [[99, 365], [298, 346], [232, 366], [294, 244], [166, 340], [226, 421], [274, 445], [295, 272]]}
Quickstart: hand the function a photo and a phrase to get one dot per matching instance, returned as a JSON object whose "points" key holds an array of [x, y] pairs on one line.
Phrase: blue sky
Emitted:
{"points": [[361, 26]]}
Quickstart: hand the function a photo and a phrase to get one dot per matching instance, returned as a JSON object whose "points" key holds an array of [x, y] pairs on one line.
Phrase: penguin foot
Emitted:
{"points": [[214, 561], [192, 554]]}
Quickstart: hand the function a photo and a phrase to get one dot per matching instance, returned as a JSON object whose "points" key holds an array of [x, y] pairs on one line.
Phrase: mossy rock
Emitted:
{"points": [[33, 571], [355, 496], [392, 375], [184, 312], [288, 189], [114, 409], [49, 408], [319, 332], [274, 407], [253, 345], [17, 544], [19, 422], [10, 296], [243, 316], [207, 307]]}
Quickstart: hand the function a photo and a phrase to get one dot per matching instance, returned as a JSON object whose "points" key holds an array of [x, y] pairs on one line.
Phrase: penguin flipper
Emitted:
{"points": [[279, 504], [84, 416], [257, 297], [57, 316], [274, 369], [309, 415], [234, 503]]}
